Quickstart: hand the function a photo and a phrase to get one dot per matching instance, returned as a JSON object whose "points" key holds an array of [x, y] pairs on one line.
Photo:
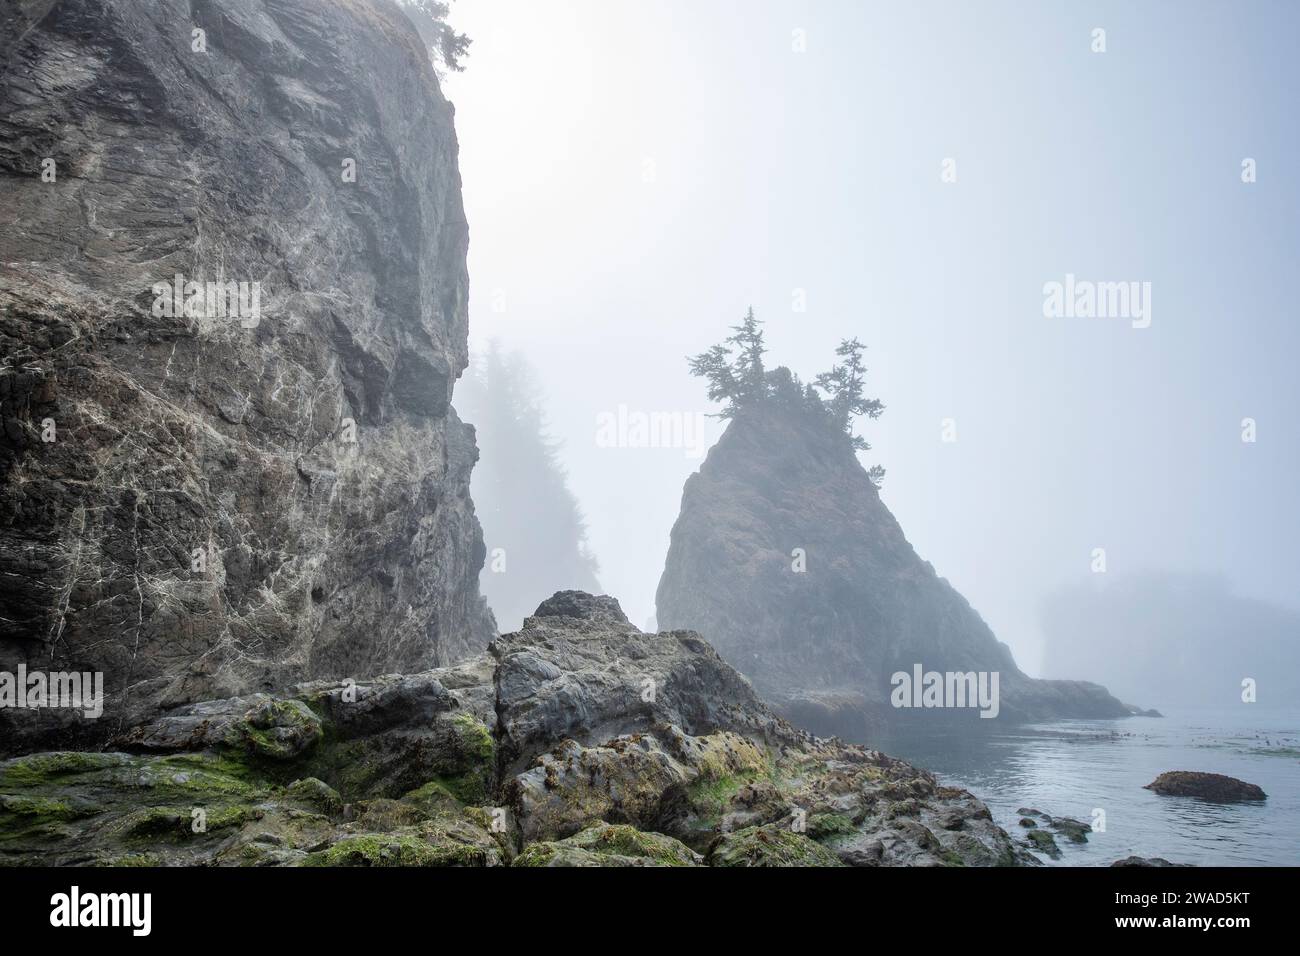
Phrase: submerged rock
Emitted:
{"points": [[1208, 786], [578, 740], [1043, 842], [1076, 831]]}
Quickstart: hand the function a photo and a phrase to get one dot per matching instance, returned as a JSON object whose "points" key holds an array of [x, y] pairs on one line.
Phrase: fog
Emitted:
{"points": [[637, 174], [1174, 641], [528, 513]]}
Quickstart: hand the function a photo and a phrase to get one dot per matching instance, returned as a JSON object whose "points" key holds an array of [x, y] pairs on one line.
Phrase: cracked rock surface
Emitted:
{"points": [[199, 507]]}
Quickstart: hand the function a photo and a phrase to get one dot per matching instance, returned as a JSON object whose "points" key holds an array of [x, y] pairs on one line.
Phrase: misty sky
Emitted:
{"points": [[638, 173]]}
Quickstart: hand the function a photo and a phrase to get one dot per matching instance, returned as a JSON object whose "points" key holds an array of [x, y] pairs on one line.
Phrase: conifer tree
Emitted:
{"points": [[843, 386]]}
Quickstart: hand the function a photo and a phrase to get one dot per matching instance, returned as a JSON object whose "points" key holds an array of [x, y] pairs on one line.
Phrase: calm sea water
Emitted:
{"points": [[1071, 768]]}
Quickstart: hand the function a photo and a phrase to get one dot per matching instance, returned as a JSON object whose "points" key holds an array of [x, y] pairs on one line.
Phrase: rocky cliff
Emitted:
{"points": [[822, 629], [577, 741], [210, 489]]}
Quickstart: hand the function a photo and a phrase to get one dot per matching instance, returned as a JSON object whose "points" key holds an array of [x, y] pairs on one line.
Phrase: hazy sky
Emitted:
{"points": [[638, 173]]}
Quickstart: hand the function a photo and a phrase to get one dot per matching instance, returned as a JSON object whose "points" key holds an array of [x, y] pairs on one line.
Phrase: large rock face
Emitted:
{"points": [[578, 740], [821, 644], [203, 506]]}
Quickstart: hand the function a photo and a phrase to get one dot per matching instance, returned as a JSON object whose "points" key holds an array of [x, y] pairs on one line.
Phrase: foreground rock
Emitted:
{"points": [[1208, 786], [1036, 825], [202, 505], [786, 559], [577, 741]]}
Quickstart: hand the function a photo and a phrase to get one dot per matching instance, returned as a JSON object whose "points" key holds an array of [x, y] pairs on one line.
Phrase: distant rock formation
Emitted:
{"points": [[209, 504], [578, 740], [1174, 639], [786, 559]]}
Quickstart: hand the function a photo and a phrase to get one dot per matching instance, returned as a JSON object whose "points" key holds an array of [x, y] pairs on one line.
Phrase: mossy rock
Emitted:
{"points": [[401, 850], [317, 795], [95, 782], [47, 769], [1044, 842], [178, 824], [720, 754], [475, 737], [25, 810], [278, 730], [1076, 831], [709, 797], [190, 777], [385, 816], [605, 844], [457, 751], [770, 845], [822, 826], [477, 763]]}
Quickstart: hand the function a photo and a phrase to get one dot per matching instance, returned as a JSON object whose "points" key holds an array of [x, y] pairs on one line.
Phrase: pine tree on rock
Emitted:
{"points": [[843, 386], [736, 376]]}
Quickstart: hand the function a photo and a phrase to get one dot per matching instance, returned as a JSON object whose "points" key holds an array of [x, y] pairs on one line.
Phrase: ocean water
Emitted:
{"points": [[1073, 768]]}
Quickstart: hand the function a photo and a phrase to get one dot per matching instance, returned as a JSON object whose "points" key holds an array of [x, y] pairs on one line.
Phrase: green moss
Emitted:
{"points": [[386, 815], [39, 808], [196, 776], [153, 823], [351, 767], [629, 841], [398, 850], [176, 824], [475, 738], [1075, 831], [477, 758], [1044, 842], [71, 785], [278, 730], [317, 795], [434, 799], [39, 770], [237, 815], [770, 845], [822, 826], [607, 844], [468, 788], [711, 796], [458, 752], [538, 855]]}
